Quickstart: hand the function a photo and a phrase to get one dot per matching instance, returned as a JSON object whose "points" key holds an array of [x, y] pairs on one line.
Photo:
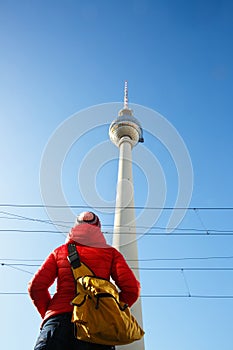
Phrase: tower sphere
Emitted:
{"points": [[125, 125]]}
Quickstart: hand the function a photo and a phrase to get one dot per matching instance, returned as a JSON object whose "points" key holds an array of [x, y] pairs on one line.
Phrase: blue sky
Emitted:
{"points": [[62, 57]]}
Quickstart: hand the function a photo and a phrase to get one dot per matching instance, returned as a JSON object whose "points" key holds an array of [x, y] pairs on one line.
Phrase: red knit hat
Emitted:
{"points": [[87, 217]]}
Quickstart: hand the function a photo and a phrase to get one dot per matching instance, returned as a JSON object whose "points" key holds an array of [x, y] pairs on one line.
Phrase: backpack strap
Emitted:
{"points": [[73, 256], [78, 268]]}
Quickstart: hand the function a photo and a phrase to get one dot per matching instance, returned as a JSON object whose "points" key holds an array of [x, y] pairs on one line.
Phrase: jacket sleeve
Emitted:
{"points": [[40, 283], [125, 279]]}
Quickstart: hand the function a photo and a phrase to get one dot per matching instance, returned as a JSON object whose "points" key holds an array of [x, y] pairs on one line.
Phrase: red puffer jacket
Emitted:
{"points": [[104, 260]]}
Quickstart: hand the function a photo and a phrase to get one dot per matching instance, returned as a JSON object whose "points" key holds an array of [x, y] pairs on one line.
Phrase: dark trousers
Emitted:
{"points": [[57, 333]]}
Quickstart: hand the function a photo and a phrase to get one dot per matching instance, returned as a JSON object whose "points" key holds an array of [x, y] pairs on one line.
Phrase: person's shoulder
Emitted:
{"points": [[109, 248], [115, 252], [60, 249], [106, 250]]}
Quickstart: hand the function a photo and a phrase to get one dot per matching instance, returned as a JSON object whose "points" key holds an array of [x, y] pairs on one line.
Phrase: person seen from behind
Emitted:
{"points": [[57, 330]]}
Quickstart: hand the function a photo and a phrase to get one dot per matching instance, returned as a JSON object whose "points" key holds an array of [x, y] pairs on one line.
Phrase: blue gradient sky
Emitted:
{"points": [[60, 57]]}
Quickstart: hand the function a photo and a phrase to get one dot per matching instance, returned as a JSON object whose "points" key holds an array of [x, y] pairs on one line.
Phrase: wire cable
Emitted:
{"points": [[193, 296], [108, 207], [141, 260], [13, 265], [143, 234]]}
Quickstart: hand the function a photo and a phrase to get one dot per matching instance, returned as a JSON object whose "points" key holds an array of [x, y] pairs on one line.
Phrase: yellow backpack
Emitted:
{"points": [[98, 314]]}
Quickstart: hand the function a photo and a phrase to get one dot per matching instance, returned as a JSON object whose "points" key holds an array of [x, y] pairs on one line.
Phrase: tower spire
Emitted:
{"points": [[126, 95], [125, 110]]}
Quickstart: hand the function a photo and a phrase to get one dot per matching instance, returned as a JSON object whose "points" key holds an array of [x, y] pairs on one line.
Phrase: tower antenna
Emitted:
{"points": [[126, 95]]}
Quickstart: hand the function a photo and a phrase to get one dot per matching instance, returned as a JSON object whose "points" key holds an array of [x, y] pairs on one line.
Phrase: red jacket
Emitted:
{"points": [[104, 260]]}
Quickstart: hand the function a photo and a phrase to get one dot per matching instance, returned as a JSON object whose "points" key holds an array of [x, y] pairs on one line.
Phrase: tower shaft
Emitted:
{"points": [[125, 237], [124, 222]]}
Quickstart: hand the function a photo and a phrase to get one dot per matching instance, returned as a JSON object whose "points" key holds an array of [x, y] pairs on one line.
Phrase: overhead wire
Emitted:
{"points": [[194, 296], [186, 233], [159, 229], [143, 260], [64, 224], [14, 265], [16, 268], [26, 218], [185, 282], [14, 205], [177, 231]]}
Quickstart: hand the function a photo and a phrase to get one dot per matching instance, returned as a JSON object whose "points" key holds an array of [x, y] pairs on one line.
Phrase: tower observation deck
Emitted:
{"points": [[126, 125]]}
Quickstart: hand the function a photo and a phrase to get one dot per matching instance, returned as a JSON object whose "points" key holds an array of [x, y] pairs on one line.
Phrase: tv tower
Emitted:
{"points": [[125, 132]]}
